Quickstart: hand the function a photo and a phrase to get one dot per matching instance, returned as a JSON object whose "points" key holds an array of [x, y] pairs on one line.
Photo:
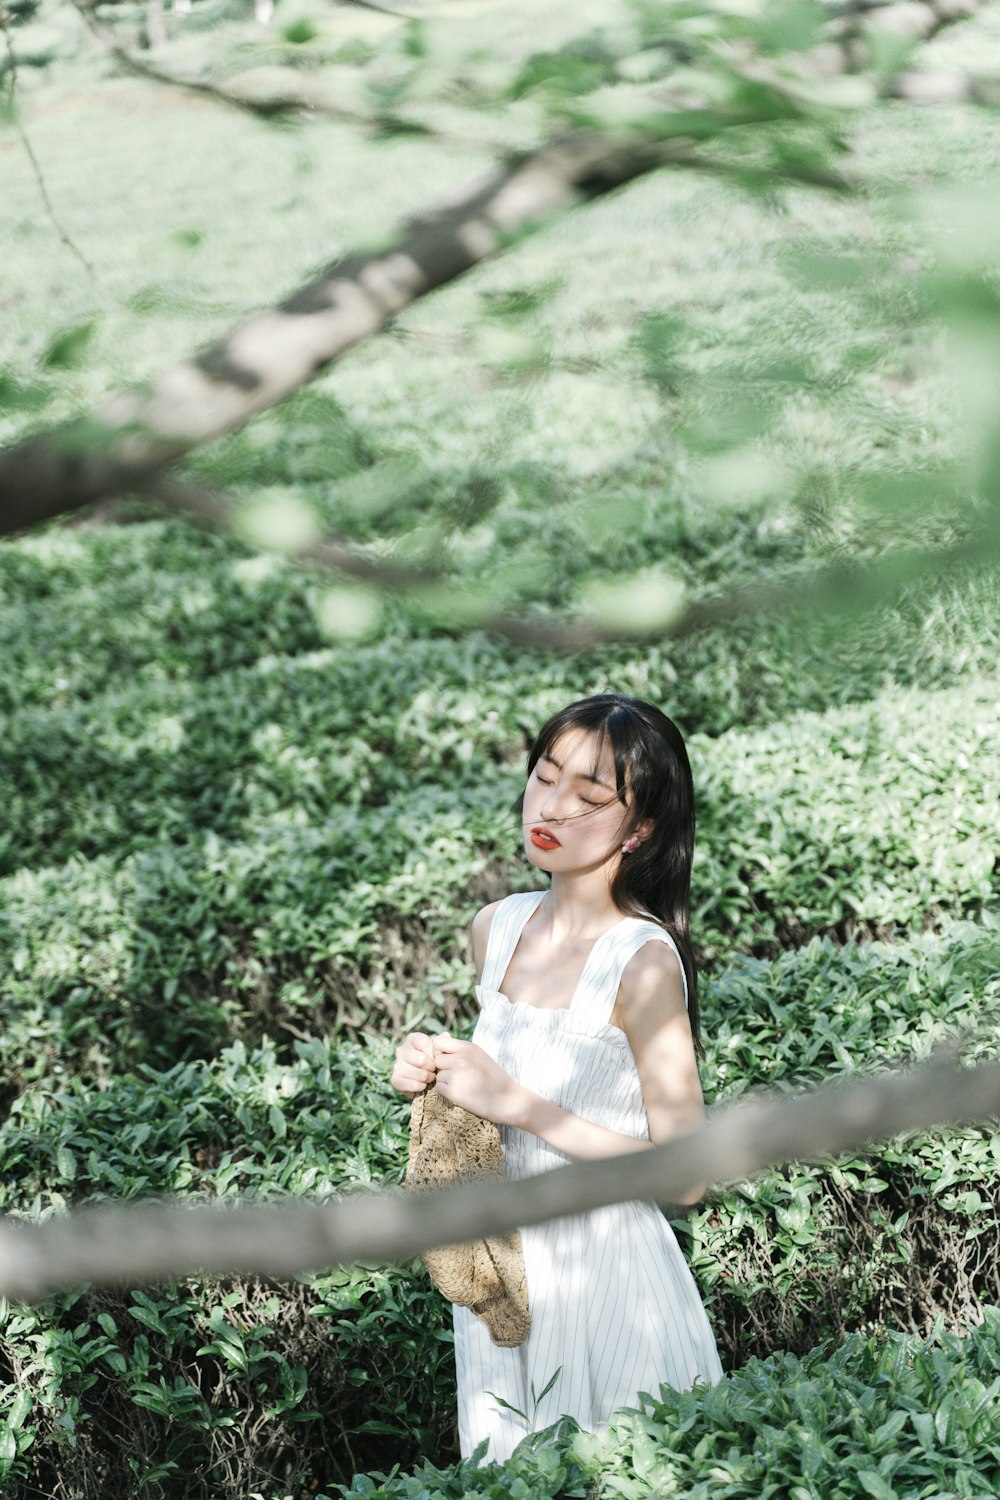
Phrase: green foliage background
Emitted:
{"points": [[248, 813]]}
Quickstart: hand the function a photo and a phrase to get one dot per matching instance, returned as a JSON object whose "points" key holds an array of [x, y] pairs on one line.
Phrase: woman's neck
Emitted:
{"points": [[580, 906]]}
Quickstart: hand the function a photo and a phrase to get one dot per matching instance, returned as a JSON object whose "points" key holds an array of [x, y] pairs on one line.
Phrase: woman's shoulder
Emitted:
{"points": [[482, 922], [654, 964], [483, 919]]}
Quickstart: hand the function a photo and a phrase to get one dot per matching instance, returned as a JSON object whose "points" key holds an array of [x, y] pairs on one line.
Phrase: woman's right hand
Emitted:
{"points": [[415, 1067]]}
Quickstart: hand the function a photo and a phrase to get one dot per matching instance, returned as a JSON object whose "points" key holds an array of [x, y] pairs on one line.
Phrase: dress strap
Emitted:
{"points": [[598, 988], [508, 921]]}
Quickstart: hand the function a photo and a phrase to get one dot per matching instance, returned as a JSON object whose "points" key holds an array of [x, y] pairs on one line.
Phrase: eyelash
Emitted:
{"points": [[585, 800]]}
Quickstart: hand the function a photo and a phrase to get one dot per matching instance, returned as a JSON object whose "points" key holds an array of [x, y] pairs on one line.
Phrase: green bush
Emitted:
{"points": [[890, 1239], [873, 1420], [324, 1378], [334, 893], [206, 1388]]}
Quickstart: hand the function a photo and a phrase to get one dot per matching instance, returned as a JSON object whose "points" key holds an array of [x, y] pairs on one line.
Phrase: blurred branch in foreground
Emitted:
{"points": [[147, 1243], [137, 432], [849, 43], [628, 609]]}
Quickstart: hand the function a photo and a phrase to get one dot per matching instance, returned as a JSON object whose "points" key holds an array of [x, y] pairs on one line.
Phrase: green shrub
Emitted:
{"points": [[873, 1420], [206, 1388], [335, 894], [889, 1239]]}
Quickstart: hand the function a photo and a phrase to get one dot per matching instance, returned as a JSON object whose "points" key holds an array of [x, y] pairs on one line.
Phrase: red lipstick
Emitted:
{"points": [[543, 839]]}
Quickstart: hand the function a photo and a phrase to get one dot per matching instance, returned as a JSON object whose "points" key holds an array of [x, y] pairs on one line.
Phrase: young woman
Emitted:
{"points": [[585, 1047]]}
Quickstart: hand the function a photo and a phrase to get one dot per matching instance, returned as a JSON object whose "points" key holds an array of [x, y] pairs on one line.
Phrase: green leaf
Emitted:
{"points": [[874, 1484], [299, 32], [19, 1409], [66, 1163], [20, 395], [660, 337], [647, 601], [791, 26], [65, 351], [151, 1319]]}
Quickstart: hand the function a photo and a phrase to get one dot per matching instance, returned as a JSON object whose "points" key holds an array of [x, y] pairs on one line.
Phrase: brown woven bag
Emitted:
{"points": [[448, 1144]]}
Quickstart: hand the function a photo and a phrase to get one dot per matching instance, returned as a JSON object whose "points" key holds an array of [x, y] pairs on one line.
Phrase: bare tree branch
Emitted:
{"points": [[221, 512], [137, 433], [25, 139], [145, 1243]]}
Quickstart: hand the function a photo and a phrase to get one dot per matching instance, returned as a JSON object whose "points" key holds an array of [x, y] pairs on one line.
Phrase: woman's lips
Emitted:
{"points": [[543, 839]]}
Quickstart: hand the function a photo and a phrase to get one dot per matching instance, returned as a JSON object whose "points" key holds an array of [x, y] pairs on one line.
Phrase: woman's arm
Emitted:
{"points": [[650, 1010], [652, 1013], [415, 1063]]}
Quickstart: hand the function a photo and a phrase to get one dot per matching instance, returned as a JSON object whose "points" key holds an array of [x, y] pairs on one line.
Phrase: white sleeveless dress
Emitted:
{"points": [[613, 1304]]}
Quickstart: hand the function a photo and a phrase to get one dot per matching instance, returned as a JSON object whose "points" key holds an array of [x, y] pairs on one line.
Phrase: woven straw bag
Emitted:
{"points": [[448, 1144]]}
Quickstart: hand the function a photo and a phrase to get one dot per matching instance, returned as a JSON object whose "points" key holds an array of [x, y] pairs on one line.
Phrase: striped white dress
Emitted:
{"points": [[613, 1304]]}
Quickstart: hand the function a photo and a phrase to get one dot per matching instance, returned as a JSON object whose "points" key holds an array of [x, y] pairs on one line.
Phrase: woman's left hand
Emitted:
{"points": [[468, 1077]]}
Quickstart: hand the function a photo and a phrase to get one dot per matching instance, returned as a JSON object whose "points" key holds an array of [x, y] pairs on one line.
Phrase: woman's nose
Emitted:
{"points": [[551, 806]]}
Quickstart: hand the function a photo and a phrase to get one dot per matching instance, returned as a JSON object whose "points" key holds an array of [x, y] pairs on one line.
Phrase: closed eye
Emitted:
{"points": [[587, 801]]}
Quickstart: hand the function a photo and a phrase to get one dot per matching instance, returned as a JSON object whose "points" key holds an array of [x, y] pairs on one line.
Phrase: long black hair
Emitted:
{"points": [[653, 780]]}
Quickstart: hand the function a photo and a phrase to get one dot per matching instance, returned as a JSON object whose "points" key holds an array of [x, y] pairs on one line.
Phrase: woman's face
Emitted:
{"points": [[572, 818]]}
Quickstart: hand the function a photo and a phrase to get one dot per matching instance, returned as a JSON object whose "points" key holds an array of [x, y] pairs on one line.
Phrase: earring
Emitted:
{"points": [[631, 844]]}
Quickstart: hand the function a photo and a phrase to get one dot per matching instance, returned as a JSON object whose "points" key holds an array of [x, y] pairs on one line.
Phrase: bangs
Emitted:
{"points": [[616, 728]]}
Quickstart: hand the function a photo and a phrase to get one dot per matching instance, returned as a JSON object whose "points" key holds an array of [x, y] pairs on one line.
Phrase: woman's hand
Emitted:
{"points": [[468, 1077], [415, 1064]]}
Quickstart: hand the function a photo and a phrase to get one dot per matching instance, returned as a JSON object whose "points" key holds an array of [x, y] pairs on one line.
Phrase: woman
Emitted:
{"points": [[586, 1047]]}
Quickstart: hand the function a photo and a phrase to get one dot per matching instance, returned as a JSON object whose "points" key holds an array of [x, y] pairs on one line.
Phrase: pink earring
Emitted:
{"points": [[631, 844]]}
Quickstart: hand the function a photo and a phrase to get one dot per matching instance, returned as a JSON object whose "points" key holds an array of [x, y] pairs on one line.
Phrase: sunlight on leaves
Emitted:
{"points": [[741, 478]]}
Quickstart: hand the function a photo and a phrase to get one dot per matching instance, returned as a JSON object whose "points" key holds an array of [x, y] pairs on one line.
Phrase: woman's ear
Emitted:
{"points": [[644, 829]]}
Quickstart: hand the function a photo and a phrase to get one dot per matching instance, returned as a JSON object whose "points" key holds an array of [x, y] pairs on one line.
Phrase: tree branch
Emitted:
{"points": [[219, 512], [137, 432], [266, 109], [25, 139], [841, 587], [146, 1243]]}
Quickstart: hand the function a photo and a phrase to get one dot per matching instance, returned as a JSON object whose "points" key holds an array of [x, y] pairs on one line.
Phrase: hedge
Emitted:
{"points": [[876, 1419], [352, 1365], [87, 610], [206, 1388], [305, 913]]}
